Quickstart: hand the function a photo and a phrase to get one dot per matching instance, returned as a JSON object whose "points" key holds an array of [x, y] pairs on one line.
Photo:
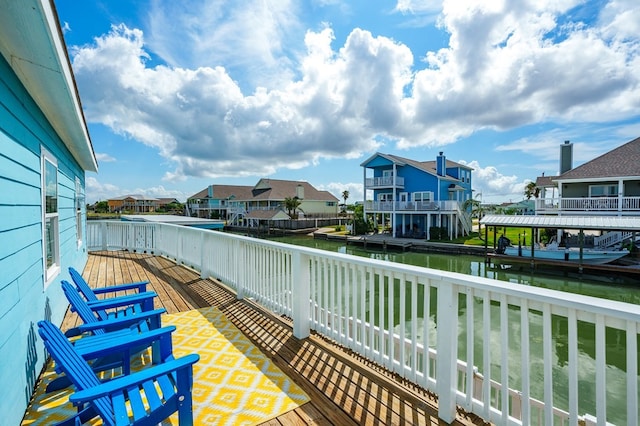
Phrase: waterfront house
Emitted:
{"points": [[163, 203], [524, 207], [237, 203], [214, 200], [133, 204], [608, 185], [45, 150], [412, 198]]}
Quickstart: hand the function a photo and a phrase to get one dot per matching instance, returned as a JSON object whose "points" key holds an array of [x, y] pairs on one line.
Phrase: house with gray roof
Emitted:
{"points": [[235, 203], [608, 185], [411, 197]]}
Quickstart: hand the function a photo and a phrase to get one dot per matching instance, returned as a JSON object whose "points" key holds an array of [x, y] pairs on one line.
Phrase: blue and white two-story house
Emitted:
{"points": [[45, 150], [411, 198]]}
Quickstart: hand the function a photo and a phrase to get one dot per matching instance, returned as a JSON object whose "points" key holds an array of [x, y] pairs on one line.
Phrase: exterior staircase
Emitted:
{"points": [[614, 239]]}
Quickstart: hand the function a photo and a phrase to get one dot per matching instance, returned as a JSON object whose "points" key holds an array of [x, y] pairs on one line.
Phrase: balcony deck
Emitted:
{"points": [[344, 388]]}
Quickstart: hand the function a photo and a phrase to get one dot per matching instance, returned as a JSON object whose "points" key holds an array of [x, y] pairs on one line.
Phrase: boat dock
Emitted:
{"points": [[386, 241], [580, 223], [501, 259]]}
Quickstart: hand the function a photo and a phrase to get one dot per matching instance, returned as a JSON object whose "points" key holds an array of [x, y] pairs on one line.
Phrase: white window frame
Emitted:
{"points": [[420, 196], [79, 203], [52, 270], [609, 190]]}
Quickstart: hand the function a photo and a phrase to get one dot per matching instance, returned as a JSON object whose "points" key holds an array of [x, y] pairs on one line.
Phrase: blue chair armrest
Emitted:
{"points": [[141, 286], [123, 322], [91, 347], [117, 302], [135, 379]]}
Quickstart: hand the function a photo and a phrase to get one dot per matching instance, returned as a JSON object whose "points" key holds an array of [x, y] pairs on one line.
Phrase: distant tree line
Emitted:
{"points": [[103, 207]]}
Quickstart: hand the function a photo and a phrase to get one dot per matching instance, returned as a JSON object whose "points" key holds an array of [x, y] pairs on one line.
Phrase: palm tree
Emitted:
{"points": [[292, 204], [345, 196], [531, 190]]}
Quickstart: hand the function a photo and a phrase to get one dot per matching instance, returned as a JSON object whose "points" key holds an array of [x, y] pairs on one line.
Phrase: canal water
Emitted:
{"points": [[621, 288]]}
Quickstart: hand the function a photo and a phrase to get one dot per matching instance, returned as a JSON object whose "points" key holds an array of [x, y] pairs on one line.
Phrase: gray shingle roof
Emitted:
{"points": [[619, 162], [545, 181], [135, 197], [426, 166], [266, 189], [276, 189]]}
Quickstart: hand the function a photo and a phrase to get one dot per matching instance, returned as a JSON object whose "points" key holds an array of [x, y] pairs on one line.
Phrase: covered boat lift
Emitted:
{"points": [[581, 223]]}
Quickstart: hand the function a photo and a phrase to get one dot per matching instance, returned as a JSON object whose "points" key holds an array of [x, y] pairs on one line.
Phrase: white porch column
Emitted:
{"points": [[394, 199], [620, 194], [364, 196]]}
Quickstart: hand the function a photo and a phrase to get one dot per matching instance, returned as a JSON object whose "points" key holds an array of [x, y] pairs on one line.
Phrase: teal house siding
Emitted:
{"points": [[27, 129]]}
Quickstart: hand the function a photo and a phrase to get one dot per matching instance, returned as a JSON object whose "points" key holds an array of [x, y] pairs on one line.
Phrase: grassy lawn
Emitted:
{"points": [[511, 233], [92, 215]]}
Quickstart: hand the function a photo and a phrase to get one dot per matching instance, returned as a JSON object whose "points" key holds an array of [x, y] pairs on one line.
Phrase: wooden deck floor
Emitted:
{"points": [[345, 389]]}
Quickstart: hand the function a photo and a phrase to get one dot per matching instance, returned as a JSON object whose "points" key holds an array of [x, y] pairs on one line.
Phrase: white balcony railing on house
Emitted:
{"points": [[384, 182], [412, 206], [589, 205], [514, 363]]}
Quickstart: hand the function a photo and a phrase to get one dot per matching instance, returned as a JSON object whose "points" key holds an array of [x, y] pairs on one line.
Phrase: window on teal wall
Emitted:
{"points": [[51, 235], [79, 202]]}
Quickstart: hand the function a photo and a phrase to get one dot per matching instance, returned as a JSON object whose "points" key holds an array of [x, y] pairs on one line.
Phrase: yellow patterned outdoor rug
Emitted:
{"points": [[233, 383]]}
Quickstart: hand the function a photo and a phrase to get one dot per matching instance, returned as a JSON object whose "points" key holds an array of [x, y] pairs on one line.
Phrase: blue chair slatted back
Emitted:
{"points": [[72, 364], [82, 285], [80, 306], [144, 303]]}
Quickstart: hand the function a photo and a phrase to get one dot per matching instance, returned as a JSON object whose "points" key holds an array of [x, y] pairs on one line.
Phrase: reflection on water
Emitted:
{"points": [[612, 287]]}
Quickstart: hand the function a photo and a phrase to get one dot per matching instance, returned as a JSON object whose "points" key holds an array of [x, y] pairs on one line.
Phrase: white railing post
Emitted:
{"points": [[128, 243], [241, 252], [300, 282], [447, 344], [204, 272], [103, 231]]}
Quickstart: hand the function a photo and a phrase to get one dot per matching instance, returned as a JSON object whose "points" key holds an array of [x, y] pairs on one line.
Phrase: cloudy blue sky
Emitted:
{"points": [[182, 94]]}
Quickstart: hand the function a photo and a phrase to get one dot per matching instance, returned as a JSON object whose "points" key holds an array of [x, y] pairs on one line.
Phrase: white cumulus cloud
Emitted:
{"points": [[300, 99]]}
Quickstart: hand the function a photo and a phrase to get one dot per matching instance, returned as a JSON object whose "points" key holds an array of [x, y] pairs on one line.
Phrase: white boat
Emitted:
{"points": [[553, 252]]}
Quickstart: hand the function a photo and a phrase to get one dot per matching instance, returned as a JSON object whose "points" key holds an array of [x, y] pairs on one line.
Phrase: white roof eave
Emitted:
{"points": [[31, 42]]}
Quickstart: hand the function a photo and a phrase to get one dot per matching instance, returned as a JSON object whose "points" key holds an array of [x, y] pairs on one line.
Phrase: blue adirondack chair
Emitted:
{"points": [[104, 333], [114, 350], [143, 299], [166, 387], [109, 314]]}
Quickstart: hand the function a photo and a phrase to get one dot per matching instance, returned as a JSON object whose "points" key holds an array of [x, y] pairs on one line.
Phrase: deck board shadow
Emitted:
{"points": [[345, 388]]}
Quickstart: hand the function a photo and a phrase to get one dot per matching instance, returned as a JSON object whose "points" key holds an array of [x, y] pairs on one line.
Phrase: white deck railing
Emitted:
{"points": [[412, 206], [384, 182], [589, 205], [513, 371]]}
